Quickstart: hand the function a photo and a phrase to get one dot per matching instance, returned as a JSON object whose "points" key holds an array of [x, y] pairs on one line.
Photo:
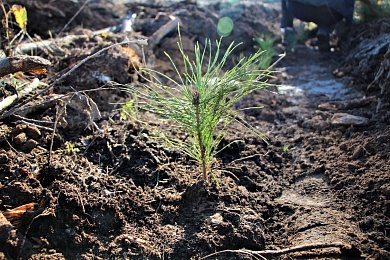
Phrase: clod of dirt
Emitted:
{"points": [[317, 123], [25, 137], [30, 144], [344, 119], [3, 157], [370, 60], [18, 129], [33, 132]]}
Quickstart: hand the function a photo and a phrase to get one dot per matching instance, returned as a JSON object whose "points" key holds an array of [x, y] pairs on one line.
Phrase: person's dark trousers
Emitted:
{"points": [[323, 16]]}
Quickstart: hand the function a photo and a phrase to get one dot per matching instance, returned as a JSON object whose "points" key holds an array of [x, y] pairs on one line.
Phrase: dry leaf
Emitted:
{"points": [[134, 59], [20, 14]]}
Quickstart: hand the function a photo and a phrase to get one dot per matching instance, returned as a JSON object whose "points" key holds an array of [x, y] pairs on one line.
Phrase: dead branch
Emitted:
{"points": [[22, 63], [25, 48], [155, 38], [262, 254], [8, 101], [35, 125], [47, 102]]}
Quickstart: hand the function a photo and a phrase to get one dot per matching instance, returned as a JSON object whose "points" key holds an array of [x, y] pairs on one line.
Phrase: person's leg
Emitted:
{"points": [[323, 35], [323, 16], [287, 27], [287, 16]]}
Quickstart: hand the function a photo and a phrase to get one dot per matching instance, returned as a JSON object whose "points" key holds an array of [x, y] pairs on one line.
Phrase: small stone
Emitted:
{"points": [[344, 119], [215, 219], [20, 138]]}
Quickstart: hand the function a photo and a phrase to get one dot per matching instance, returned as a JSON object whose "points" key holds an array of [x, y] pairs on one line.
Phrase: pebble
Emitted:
{"points": [[20, 138]]}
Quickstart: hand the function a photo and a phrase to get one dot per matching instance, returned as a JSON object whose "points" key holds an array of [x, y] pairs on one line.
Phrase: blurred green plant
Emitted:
{"points": [[200, 101], [70, 149], [265, 44], [128, 110], [371, 10]]}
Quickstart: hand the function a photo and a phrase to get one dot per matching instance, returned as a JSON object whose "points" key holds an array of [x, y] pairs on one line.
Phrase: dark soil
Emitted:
{"points": [[109, 190]]}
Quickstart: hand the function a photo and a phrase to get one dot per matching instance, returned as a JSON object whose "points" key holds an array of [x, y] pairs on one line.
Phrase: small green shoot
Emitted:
{"points": [[266, 45], [128, 110], [70, 149], [286, 148]]}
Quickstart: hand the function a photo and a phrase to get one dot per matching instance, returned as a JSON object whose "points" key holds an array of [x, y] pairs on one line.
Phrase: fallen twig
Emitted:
{"points": [[30, 120], [8, 101], [37, 126], [47, 102], [164, 30], [22, 63], [289, 250], [44, 44]]}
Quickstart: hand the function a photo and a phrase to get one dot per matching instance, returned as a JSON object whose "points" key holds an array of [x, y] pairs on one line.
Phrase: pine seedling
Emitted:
{"points": [[200, 101]]}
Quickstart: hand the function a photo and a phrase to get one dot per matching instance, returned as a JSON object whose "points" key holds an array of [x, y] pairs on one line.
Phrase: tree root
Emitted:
{"points": [[262, 254]]}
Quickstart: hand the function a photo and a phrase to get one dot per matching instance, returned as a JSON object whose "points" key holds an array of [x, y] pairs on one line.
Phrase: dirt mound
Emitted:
{"points": [[104, 187], [369, 59], [47, 18]]}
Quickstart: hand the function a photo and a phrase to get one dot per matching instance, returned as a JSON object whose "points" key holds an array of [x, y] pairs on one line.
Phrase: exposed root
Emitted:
{"points": [[262, 254]]}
